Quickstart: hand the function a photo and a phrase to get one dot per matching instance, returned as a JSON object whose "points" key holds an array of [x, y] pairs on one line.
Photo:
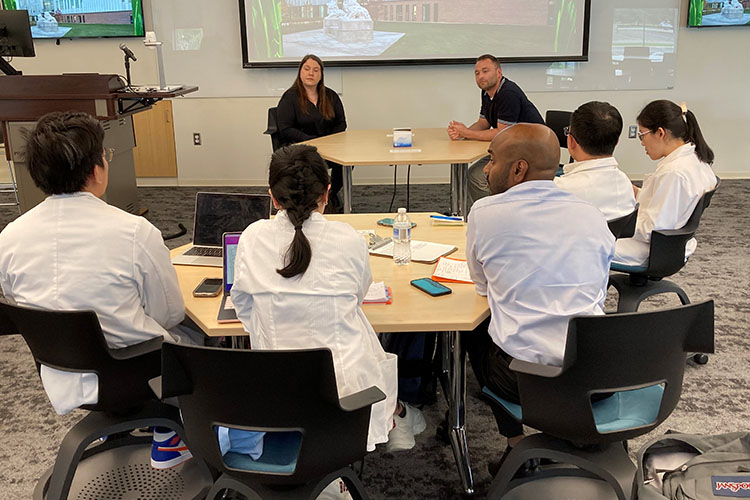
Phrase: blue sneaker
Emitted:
{"points": [[168, 450]]}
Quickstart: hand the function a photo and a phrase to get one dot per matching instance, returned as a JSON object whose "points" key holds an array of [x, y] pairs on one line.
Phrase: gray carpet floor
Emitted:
{"points": [[714, 397]]}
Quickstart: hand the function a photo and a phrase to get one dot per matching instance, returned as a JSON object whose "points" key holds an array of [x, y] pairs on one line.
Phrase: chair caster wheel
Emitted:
{"points": [[700, 358]]}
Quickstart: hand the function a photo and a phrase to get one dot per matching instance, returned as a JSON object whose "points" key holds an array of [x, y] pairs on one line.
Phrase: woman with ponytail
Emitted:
{"points": [[669, 133], [299, 283]]}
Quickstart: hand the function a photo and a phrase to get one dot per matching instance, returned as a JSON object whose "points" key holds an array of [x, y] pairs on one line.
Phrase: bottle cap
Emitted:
{"points": [[402, 210]]}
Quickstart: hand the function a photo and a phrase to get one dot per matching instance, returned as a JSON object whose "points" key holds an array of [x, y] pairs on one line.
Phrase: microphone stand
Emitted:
{"points": [[127, 69]]}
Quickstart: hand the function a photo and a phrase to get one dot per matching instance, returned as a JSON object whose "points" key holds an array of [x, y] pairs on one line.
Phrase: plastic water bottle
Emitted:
{"points": [[402, 238]]}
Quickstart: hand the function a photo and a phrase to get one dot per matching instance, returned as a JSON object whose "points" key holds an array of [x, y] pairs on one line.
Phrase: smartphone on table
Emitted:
{"points": [[209, 287], [431, 287]]}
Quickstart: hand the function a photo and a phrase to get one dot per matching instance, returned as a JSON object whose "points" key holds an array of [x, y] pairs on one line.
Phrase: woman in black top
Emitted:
{"points": [[308, 110]]}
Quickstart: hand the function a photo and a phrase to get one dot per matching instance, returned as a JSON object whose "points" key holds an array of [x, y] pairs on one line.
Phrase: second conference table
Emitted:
{"points": [[430, 146], [410, 311]]}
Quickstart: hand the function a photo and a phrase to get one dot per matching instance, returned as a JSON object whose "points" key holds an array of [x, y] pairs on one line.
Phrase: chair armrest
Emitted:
{"points": [[155, 385], [537, 369], [139, 349], [361, 399]]}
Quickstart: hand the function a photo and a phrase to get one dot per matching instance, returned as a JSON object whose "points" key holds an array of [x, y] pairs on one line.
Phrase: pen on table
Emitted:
{"points": [[447, 217]]}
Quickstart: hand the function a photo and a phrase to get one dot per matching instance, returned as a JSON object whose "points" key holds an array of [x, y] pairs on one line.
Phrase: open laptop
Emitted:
{"points": [[216, 214], [227, 314]]}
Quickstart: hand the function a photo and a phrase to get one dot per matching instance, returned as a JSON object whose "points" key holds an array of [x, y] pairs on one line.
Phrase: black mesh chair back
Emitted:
{"points": [[667, 247], [612, 353], [624, 227], [272, 391], [557, 121], [273, 130], [73, 341]]}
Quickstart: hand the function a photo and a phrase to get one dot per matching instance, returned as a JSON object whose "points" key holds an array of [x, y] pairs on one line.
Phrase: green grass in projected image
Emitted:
{"points": [[94, 30], [437, 39]]}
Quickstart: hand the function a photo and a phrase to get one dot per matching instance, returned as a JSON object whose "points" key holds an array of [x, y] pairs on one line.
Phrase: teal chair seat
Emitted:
{"points": [[280, 451]]}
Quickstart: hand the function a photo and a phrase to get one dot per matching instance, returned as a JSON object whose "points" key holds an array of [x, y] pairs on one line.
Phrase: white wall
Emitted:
{"points": [[712, 72]]}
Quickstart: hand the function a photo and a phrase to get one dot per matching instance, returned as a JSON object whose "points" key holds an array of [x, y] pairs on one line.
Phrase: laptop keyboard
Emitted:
{"points": [[204, 251]]}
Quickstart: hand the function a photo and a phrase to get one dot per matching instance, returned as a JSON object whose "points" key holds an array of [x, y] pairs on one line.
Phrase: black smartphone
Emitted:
{"points": [[431, 287], [209, 287]]}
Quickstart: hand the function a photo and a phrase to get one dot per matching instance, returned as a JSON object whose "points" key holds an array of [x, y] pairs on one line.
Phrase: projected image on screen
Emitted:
{"points": [[401, 30], [82, 18], [723, 13]]}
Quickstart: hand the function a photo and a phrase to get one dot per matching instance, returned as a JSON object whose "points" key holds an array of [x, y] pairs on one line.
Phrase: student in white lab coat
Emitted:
{"points": [[669, 133], [593, 133], [74, 251], [300, 281]]}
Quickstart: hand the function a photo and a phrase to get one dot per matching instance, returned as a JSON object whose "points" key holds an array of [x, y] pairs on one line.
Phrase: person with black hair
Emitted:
{"points": [[592, 135], [73, 251], [669, 133], [503, 104], [309, 109], [299, 283]]}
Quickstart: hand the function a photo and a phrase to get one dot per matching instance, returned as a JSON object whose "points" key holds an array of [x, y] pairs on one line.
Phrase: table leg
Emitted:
{"points": [[456, 396], [347, 179], [459, 186]]}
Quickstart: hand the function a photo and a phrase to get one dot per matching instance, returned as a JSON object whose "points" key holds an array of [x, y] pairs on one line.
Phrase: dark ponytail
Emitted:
{"points": [[298, 177], [669, 116]]}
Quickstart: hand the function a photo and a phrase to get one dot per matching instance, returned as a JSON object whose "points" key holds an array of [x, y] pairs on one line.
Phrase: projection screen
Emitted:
{"points": [[277, 33]]}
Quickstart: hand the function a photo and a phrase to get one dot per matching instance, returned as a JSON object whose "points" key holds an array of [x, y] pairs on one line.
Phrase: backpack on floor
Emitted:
{"points": [[694, 467]]}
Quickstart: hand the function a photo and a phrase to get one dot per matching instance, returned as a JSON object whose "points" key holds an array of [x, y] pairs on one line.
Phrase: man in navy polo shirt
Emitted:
{"points": [[503, 104]]}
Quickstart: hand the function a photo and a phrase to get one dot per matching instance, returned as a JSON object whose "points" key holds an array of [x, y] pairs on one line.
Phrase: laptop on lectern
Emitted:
{"points": [[216, 214]]}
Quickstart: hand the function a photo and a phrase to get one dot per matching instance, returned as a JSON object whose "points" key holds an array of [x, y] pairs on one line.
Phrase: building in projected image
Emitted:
{"points": [[80, 11], [502, 12]]}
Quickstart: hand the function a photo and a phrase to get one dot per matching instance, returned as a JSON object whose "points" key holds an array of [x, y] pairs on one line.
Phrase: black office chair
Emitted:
{"points": [[640, 359], [120, 466], [624, 227], [557, 121], [666, 257], [273, 129], [312, 435]]}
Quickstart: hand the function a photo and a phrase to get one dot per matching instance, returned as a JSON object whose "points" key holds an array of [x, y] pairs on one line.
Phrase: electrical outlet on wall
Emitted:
{"points": [[632, 131], [196, 139]]}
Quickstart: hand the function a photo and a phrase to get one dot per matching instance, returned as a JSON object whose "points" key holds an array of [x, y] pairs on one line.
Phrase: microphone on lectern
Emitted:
{"points": [[127, 51]]}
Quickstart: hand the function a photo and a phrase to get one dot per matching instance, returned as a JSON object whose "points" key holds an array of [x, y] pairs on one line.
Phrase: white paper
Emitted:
{"points": [[457, 270], [376, 293]]}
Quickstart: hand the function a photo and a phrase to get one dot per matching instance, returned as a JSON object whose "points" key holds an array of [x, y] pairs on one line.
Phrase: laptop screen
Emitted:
{"points": [[219, 213], [230, 251]]}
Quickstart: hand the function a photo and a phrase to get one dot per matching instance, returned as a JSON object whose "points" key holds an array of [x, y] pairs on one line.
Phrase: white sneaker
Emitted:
{"points": [[405, 428], [337, 490]]}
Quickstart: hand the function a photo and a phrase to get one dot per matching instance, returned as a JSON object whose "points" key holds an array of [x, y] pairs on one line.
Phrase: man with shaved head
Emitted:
{"points": [[539, 254]]}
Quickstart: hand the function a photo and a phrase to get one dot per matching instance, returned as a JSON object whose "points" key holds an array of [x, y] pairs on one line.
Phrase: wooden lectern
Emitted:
{"points": [[24, 99]]}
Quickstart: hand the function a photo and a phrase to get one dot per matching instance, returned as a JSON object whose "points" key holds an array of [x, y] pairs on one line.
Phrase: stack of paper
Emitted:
{"points": [[452, 271], [421, 251], [378, 294], [445, 220]]}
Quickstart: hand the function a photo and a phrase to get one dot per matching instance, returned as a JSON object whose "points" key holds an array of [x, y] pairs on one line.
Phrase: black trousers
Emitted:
{"points": [[337, 178], [491, 367]]}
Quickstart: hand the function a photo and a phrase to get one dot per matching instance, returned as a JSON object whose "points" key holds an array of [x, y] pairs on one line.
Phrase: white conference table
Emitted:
{"points": [[410, 311], [430, 146]]}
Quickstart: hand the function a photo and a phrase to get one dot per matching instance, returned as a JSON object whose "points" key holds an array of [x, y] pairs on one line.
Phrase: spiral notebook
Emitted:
{"points": [[421, 251]]}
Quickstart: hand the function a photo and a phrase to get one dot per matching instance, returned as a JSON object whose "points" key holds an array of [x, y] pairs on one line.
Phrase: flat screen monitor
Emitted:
{"points": [[15, 34], [707, 13], [278, 33], [82, 18]]}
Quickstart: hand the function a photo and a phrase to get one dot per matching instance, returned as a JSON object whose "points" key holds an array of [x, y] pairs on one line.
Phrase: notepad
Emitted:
{"points": [[452, 271], [378, 293], [421, 251]]}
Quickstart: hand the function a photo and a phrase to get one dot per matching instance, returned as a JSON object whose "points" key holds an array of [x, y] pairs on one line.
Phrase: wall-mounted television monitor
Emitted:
{"points": [[278, 33], [708, 13], [82, 18]]}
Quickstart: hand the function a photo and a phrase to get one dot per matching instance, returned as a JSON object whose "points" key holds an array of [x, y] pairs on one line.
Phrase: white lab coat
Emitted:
{"points": [[321, 308], [601, 183], [76, 252], [667, 200], [540, 255]]}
